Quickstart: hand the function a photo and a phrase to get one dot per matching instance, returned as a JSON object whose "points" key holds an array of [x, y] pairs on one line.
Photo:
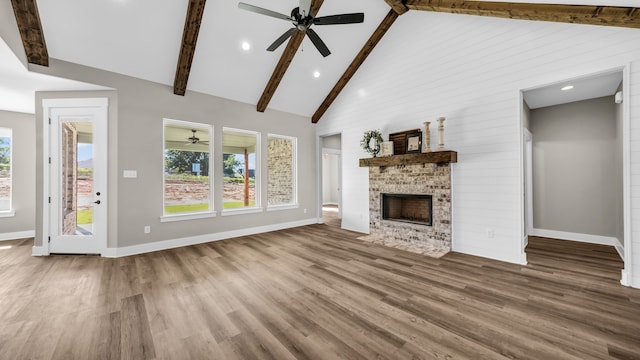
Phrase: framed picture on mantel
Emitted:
{"points": [[400, 141], [414, 142], [386, 148]]}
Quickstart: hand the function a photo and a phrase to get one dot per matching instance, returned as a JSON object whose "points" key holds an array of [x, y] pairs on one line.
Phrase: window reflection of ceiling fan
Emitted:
{"points": [[195, 140], [302, 19]]}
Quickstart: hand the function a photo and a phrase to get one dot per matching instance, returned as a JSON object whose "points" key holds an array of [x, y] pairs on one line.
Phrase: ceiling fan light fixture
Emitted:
{"points": [[316, 74], [246, 46]]}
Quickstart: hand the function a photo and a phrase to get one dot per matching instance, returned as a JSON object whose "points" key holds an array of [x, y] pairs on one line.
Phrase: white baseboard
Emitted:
{"points": [[39, 251], [624, 278], [17, 235], [588, 238], [199, 239], [619, 249]]}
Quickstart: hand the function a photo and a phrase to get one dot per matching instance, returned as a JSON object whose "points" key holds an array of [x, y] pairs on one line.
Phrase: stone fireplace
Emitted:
{"points": [[423, 189]]}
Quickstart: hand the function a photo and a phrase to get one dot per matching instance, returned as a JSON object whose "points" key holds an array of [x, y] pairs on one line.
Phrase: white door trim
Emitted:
{"points": [[47, 106], [626, 274]]}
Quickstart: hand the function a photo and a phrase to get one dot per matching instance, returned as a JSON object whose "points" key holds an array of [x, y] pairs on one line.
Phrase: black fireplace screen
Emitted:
{"points": [[411, 208]]}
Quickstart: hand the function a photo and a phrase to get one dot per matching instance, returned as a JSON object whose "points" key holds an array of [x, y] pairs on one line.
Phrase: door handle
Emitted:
{"points": [[97, 202]]}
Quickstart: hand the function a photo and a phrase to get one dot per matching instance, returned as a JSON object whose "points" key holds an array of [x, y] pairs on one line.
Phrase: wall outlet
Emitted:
{"points": [[490, 233], [305, 211], [147, 229]]}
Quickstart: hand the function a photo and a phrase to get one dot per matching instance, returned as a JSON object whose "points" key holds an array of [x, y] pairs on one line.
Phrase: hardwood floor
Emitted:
{"points": [[316, 292], [330, 216]]}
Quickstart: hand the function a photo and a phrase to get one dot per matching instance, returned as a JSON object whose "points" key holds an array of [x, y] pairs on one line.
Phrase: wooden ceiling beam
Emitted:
{"points": [[398, 6], [356, 63], [284, 62], [188, 47], [575, 14], [30, 27]]}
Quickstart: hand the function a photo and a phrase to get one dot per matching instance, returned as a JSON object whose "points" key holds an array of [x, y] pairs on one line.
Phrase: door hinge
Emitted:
{"points": [[49, 121], [49, 160], [49, 239], [49, 199]]}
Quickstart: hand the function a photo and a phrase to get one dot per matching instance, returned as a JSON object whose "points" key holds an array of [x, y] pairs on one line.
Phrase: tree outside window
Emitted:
{"points": [[239, 160], [187, 184]]}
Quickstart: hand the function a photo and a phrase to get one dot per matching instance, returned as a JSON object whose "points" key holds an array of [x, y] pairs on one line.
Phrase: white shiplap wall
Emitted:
{"points": [[471, 69]]}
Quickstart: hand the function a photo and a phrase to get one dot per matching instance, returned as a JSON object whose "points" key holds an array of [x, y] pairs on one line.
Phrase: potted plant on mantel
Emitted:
{"points": [[371, 142]]}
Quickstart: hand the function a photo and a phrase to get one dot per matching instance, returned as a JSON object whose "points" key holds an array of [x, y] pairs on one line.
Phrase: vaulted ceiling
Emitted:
{"points": [[194, 45]]}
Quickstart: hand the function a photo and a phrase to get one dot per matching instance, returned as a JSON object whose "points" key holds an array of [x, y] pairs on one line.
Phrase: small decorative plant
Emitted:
{"points": [[371, 142]]}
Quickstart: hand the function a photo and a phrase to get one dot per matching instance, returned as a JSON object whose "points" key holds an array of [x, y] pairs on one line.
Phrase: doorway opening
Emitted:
{"points": [[573, 146], [331, 197]]}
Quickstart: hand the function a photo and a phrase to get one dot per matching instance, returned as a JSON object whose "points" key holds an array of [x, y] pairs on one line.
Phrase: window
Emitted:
{"points": [[187, 184], [5, 170], [240, 156], [281, 165]]}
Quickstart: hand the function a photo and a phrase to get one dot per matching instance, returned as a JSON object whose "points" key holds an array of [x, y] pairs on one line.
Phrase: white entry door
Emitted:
{"points": [[77, 176]]}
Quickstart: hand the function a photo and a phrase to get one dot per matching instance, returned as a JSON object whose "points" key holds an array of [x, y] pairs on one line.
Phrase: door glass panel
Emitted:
{"points": [[76, 171]]}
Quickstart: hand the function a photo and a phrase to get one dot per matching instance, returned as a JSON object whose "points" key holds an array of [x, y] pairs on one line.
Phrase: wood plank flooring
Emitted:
{"points": [[316, 292]]}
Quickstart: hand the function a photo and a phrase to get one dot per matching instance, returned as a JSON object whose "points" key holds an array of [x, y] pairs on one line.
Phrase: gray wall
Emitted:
{"points": [[330, 178], [331, 169], [575, 181], [135, 140], [23, 172], [332, 142]]}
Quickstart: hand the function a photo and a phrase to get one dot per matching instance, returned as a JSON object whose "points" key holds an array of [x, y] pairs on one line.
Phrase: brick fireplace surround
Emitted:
{"points": [[428, 178]]}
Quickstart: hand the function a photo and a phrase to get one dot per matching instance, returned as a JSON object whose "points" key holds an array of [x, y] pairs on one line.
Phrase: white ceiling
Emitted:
{"points": [[141, 38], [17, 85], [584, 88]]}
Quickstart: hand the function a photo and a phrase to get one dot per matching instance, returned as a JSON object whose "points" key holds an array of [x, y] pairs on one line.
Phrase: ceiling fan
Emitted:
{"points": [[195, 140], [302, 19]]}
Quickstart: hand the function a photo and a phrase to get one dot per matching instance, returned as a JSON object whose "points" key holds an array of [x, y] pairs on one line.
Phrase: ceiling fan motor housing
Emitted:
{"points": [[302, 23]]}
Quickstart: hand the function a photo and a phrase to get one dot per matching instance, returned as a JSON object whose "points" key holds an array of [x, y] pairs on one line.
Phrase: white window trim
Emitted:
{"points": [[282, 207], [187, 216], [196, 214], [9, 212], [240, 211], [294, 168], [258, 178]]}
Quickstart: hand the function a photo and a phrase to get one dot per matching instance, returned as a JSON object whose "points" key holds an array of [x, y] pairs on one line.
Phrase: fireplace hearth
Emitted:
{"points": [[409, 208]]}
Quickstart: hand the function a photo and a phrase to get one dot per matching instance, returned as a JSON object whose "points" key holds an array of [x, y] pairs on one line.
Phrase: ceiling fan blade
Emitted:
{"points": [[281, 39], [320, 45], [264, 11], [339, 19], [305, 7]]}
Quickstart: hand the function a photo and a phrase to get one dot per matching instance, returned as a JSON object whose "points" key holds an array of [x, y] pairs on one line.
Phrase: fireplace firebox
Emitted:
{"points": [[410, 208]]}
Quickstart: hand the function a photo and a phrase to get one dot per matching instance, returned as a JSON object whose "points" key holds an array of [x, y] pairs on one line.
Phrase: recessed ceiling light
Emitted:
{"points": [[568, 87], [316, 74], [246, 46]]}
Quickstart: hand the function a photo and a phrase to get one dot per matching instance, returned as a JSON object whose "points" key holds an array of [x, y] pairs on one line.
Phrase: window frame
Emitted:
{"points": [[257, 208], [192, 214], [9, 212], [294, 173]]}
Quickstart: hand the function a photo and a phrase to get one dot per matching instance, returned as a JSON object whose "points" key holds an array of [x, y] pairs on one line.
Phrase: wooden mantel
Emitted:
{"points": [[438, 157]]}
